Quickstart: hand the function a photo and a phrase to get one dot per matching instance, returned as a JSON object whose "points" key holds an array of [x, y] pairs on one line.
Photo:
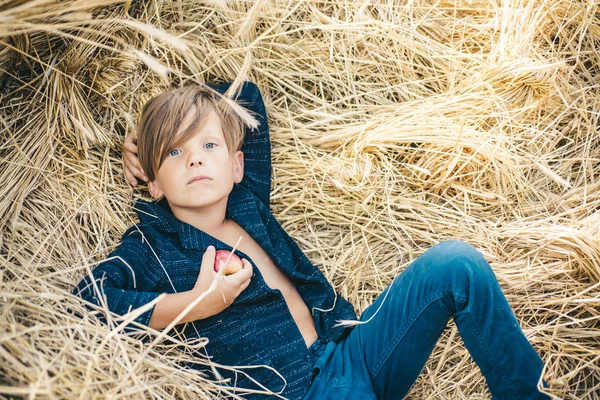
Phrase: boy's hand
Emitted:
{"points": [[228, 287], [131, 162]]}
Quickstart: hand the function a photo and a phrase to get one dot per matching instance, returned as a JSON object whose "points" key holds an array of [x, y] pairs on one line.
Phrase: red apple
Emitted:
{"points": [[233, 266]]}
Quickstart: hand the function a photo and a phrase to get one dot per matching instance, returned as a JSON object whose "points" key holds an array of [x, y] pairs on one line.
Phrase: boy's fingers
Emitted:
{"points": [[132, 160], [240, 285], [244, 285], [130, 146], [209, 254], [130, 138], [129, 176], [133, 170], [130, 163], [246, 271], [245, 274], [139, 173], [131, 173], [208, 262], [239, 278]]}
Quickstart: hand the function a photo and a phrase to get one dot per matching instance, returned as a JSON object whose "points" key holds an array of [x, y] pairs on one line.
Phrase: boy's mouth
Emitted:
{"points": [[199, 178]]}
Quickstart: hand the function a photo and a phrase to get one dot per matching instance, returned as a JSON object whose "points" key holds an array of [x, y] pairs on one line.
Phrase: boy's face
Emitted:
{"points": [[200, 172]]}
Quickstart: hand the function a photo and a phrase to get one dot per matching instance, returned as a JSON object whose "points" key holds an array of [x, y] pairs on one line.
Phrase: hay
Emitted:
{"points": [[394, 127]]}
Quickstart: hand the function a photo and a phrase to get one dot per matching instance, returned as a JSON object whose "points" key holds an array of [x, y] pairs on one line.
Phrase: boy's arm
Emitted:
{"points": [[120, 281], [173, 304], [257, 143], [115, 282]]}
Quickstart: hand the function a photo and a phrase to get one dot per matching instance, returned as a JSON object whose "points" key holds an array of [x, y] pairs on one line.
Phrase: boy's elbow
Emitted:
{"points": [[250, 85], [252, 89]]}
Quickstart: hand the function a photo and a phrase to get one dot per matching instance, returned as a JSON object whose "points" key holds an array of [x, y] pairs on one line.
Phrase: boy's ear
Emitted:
{"points": [[155, 189], [238, 167]]}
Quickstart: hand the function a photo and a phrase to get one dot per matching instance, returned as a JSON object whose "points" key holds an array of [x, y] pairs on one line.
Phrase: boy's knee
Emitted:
{"points": [[456, 248], [457, 257]]}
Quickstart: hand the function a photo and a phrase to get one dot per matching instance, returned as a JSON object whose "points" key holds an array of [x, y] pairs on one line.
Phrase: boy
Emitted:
{"points": [[279, 310]]}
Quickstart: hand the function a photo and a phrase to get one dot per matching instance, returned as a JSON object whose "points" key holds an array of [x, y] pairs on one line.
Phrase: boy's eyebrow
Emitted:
{"points": [[211, 137], [205, 136], [209, 134]]}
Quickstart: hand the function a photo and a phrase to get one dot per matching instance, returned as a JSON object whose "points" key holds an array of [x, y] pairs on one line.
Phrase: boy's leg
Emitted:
{"points": [[451, 279]]}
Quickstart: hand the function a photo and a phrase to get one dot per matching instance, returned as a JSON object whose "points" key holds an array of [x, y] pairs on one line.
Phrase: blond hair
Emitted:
{"points": [[163, 115]]}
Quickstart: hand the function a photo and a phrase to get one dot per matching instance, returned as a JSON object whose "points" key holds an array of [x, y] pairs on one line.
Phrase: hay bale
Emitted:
{"points": [[394, 127]]}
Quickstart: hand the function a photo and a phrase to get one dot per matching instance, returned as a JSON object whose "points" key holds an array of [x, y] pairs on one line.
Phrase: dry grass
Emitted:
{"points": [[394, 126]]}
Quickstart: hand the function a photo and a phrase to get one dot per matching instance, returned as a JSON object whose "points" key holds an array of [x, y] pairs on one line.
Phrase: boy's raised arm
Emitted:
{"points": [[256, 146], [257, 143]]}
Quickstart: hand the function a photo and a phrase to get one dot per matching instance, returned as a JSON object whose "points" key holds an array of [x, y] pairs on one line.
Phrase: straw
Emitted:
{"points": [[394, 126]]}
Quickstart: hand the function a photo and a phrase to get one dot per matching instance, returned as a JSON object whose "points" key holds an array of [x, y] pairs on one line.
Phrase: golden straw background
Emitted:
{"points": [[395, 125]]}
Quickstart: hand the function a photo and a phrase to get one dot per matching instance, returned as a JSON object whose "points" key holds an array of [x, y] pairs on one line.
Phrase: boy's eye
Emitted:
{"points": [[208, 144], [174, 152]]}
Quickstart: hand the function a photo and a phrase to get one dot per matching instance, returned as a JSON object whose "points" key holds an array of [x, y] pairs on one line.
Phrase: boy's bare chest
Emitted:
{"points": [[274, 278]]}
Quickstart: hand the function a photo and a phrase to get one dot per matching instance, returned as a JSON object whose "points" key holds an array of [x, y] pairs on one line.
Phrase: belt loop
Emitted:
{"points": [[317, 348]]}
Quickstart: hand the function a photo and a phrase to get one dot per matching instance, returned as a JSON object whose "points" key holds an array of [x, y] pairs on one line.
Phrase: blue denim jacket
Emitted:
{"points": [[163, 255]]}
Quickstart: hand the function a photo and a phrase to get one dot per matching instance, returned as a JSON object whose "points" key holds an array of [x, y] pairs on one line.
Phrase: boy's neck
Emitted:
{"points": [[210, 220]]}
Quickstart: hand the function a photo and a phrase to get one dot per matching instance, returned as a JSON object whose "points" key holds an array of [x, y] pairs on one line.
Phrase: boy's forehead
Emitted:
{"points": [[209, 125]]}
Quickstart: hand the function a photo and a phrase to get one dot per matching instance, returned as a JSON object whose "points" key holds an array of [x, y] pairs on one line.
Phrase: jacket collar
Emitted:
{"points": [[158, 214], [246, 210]]}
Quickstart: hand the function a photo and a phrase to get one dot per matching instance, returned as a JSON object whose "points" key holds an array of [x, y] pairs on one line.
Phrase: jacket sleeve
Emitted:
{"points": [[119, 281], [257, 143]]}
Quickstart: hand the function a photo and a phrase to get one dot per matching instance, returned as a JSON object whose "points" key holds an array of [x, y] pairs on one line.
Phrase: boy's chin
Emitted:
{"points": [[192, 204]]}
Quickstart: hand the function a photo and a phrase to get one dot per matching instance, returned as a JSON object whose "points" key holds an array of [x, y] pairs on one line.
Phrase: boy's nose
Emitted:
{"points": [[195, 159]]}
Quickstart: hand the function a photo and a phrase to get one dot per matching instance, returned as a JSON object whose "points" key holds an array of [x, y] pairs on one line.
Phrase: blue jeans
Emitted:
{"points": [[383, 358]]}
